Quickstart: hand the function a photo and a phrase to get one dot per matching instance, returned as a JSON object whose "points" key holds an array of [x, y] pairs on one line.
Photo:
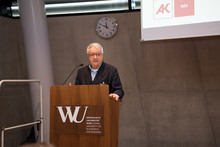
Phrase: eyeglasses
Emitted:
{"points": [[95, 54]]}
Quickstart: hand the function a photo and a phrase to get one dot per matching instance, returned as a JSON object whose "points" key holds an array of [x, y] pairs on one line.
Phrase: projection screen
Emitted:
{"points": [[171, 19]]}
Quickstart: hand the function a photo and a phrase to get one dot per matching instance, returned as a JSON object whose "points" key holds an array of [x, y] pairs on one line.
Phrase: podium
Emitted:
{"points": [[83, 116]]}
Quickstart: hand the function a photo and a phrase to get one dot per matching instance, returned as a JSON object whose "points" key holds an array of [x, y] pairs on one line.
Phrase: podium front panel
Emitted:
{"points": [[81, 116]]}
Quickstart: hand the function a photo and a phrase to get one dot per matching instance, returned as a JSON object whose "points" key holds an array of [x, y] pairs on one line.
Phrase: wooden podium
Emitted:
{"points": [[83, 116]]}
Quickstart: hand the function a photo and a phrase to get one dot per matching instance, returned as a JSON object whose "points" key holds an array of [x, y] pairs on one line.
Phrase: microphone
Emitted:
{"points": [[72, 72]]}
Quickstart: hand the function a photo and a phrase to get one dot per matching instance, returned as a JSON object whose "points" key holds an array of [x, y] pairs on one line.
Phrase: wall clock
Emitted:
{"points": [[106, 27]]}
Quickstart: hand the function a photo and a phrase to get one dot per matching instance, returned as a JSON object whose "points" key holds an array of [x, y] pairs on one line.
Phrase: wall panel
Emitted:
{"points": [[171, 87]]}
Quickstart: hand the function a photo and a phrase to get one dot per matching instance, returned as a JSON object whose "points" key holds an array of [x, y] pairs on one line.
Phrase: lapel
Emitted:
{"points": [[88, 75]]}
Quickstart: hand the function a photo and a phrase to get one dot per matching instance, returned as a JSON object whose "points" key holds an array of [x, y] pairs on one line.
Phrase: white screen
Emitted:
{"points": [[169, 19]]}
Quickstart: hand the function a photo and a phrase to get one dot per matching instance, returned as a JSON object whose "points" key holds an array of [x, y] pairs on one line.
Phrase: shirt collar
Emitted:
{"points": [[94, 70]]}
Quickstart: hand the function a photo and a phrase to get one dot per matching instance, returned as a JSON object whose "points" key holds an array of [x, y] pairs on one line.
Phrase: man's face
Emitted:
{"points": [[95, 57]]}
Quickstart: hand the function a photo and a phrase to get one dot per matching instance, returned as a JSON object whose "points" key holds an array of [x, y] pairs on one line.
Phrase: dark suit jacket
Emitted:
{"points": [[107, 74]]}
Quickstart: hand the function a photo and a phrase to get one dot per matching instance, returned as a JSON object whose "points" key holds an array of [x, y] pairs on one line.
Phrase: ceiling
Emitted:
{"points": [[9, 8]]}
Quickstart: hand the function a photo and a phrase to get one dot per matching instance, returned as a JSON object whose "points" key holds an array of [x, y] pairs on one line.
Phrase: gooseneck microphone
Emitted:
{"points": [[72, 72]]}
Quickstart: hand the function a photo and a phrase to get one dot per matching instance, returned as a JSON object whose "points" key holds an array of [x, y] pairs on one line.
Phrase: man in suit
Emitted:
{"points": [[99, 72]]}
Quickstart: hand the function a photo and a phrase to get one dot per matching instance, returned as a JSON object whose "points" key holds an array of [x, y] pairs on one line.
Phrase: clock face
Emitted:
{"points": [[106, 27]]}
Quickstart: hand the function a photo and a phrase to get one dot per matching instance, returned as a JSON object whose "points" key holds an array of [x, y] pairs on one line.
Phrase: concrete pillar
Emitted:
{"points": [[36, 43]]}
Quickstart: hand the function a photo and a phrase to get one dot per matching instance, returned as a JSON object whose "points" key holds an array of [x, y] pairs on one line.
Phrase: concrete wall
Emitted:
{"points": [[172, 87], [15, 102]]}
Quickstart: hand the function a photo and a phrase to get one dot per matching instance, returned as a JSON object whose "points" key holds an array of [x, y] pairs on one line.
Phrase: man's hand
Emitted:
{"points": [[114, 96]]}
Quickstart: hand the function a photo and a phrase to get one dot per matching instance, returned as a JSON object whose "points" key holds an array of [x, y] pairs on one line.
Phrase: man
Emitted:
{"points": [[99, 72]]}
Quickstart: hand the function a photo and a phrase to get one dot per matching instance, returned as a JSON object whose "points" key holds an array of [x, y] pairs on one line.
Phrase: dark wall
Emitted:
{"points": [[172, 87], [15, 102]]}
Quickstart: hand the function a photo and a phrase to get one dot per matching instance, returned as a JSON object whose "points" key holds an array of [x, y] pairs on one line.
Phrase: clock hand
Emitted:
{"points": [[103, 25], [111, 29], [106, 25]]}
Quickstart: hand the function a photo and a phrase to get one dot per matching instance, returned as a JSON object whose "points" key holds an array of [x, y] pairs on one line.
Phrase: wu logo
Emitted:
{"points": [[72, 116]]}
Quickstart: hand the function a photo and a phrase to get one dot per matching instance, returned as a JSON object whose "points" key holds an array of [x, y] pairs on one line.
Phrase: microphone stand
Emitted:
{"points": [[72, 72]]}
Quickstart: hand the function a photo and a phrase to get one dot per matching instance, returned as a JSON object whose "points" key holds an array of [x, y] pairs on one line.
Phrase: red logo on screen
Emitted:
{"points": [[183, 8], [164, 8]]}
